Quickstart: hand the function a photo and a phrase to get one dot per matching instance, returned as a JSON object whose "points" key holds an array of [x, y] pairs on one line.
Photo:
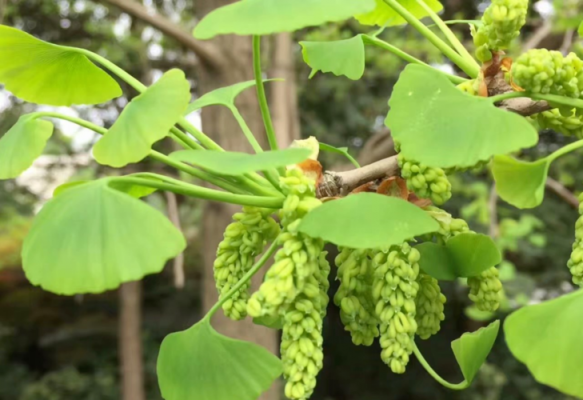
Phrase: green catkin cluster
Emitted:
{"points": [[549, 72], [395, 287], [430, 305], [501, 24], [576, 261], [301, 345], [354, 296], [568, 125], [244, 239], [426, 182]]}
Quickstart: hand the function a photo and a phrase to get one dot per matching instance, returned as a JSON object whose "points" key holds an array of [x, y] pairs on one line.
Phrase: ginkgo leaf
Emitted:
{"points": [[341, 57], [463, 256], [472, 349], [44, 73], [520, 183], [367, 221], [385, 15], [339, 150], [201, 364], [262, 17], [22, 144], [91, 238], [547, 338], [145, 120], [236, 164], [439, 125]]}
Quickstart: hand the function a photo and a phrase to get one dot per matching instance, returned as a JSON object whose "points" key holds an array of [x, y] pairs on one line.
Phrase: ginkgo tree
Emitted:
{"points": [[395, 244]]}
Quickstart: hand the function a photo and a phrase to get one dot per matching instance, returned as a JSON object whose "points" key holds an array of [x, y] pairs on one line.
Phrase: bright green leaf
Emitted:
{"points": [[339, 150], [441, 126], [341, 57], [22, 144], [474, 313], [385, 15], [44, 73], [520, 183], [201, 364], [236, 164], [146, 120], [580, 29], [463, 256], [272, 322], [367, 221], [472, 349], [262, 17], [91, 238], [547, 338]]}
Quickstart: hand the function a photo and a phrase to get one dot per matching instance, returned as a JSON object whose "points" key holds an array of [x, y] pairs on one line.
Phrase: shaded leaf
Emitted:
{"points": [[520, 183], [472, 349], [580, 29], [91, 238], [262, 17], [547, 338], [339, 150], [146, 120], [385, 15], [235, 163], [201, 364], [441, 126], [44, 73], [341, 57], [463, 256], [23, 144], [367, 221], [270, 321]]}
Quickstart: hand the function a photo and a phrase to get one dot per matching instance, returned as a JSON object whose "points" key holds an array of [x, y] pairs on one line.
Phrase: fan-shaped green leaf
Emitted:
{"points": [[341, 57], [272, 322], [22, 144], [91, 238], [385, 15], [463, 256], [146, 120], [472, 349], [339, 150], [200, 364], [441, 126], [262, 17], [235, 164], [367, 221], [520, 183], [44, 73], [547, 338]]}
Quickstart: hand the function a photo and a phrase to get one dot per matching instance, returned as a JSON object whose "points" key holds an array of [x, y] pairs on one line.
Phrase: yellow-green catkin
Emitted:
{"points": [[298, 258], [426, 182], [430, 306], [576, 261], [395, 287], [354, 295], [244, 239], [302, 341], [568, 125]]}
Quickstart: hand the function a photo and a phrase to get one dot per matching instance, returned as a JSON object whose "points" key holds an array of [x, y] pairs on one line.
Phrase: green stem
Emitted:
{"points": [[246, 131], [266, 256], [467, 67], [270, 131], [565, 150], [551, 98], [460, 386], [506, 96], [187, 140], [198, 135], [407, 57]]}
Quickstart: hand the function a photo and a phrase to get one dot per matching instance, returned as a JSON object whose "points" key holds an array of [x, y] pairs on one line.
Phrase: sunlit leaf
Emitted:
{"points": [[132, 189], [339, 150], [235, 164], [44, 73], [146, 120], [520, 183], [262, 17], [547, 338], [441, 126], [580, 29], [385, 15], [341, 57], [367, 221], [91, 238], [472, 349], [463, 256], [201, 364], [22, 144], [474, 313]]}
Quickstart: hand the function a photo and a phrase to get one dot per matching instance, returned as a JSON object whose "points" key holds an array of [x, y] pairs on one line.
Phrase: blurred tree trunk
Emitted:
{"points": [[130, 341]]}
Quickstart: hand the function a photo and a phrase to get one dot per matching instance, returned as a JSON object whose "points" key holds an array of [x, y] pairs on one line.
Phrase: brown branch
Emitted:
{"points": [[207, 53], [538, 36], [562, 192], [567, 41], [523, 106]]}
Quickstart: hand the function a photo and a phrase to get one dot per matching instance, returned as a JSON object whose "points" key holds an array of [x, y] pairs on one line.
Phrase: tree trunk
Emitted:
{"points": [[130, 341]]}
